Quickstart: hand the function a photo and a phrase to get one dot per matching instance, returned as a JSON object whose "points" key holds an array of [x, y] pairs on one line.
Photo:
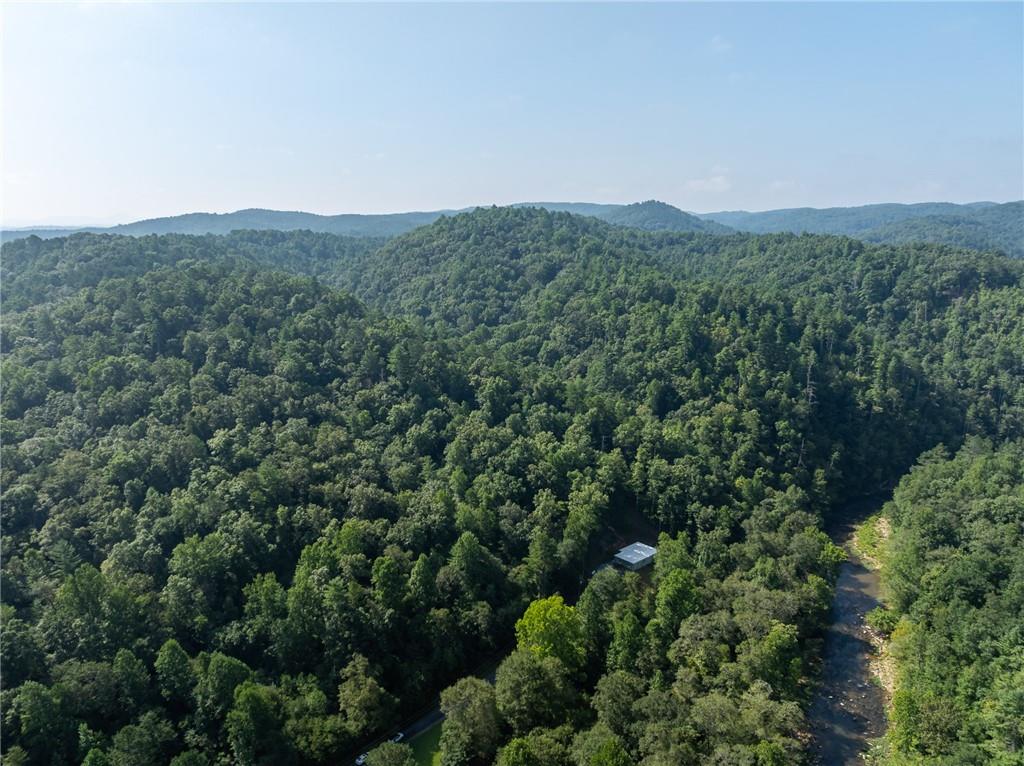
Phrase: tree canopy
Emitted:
{"points": [[265, 495]]}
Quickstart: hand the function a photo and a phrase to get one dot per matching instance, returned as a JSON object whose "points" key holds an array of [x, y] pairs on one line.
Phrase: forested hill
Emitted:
{"points": [[36, 271], [491, 259], [980, 226], [836, 220], [995, 227], [261, 517], [650, 215], [658, 216], [386, 225]]}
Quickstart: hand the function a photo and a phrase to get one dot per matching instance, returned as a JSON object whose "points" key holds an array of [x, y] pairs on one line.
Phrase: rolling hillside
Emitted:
{"points": [[650, 215], [979, 225]]}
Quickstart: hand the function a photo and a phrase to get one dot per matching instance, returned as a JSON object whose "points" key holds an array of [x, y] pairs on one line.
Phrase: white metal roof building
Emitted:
{"points": [[635, 556]]}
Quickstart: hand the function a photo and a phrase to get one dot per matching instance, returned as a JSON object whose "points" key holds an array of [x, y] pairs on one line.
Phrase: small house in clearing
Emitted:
{"points": [[635, 556]]}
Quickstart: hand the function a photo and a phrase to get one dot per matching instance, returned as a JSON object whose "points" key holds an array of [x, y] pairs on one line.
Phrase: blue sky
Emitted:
{"points": [[118, 112]]}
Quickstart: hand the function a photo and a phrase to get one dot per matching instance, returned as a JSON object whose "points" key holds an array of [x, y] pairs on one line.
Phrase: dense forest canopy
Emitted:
{"points": [[995, 227], [266, 494], [956, 573]]}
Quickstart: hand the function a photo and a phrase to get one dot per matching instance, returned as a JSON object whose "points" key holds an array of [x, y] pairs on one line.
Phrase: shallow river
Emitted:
{"points": [[849, 708]]}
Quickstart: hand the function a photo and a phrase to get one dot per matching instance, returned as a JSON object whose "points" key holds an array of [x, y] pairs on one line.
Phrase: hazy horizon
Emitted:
{"points": [[146, 111], [95, 224]]}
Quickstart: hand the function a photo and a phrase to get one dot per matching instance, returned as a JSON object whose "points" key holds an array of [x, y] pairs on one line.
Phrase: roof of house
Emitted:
{"points": [[636, 552]]}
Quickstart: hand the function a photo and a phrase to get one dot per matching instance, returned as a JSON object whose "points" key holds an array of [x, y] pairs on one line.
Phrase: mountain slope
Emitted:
{"points": [[355, 225], [979, 225], [998, 227], [497, 257], [834, 220], [37, 271], [651, 215], [245, 513], [659, 216], [386, 225]]}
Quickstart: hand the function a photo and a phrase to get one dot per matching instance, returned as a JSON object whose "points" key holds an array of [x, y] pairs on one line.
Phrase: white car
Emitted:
{"points": [[398, 737], [361, 760]]}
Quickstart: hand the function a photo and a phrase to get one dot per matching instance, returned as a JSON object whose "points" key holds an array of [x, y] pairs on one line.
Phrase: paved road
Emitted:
{"points": [[424, 723], [434, 716]]}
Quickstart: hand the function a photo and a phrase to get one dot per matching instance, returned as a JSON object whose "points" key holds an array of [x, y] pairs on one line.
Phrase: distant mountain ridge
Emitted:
{"points": [[978, 225], [650, 215], [835, 220], [351, 224], [659, 216]]}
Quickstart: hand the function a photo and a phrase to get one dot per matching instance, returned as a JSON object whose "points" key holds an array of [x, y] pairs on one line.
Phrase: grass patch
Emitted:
{"points": [[426, 748], [870, 539], [882, 620]]}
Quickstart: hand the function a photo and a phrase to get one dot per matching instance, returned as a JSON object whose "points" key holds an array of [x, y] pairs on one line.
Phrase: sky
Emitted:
{"points": [[117, 112]]}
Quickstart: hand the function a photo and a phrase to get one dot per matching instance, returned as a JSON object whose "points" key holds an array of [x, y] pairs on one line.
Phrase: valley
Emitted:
{"points": [[273, 492], [511, 383]]}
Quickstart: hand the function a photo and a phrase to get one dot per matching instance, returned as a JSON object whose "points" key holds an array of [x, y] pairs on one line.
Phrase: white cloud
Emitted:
{"points": [[927, 189], [717, 182], [719, 44]]}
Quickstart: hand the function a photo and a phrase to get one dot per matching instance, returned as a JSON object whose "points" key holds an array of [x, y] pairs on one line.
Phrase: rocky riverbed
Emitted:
{"points": [[848, 711]]}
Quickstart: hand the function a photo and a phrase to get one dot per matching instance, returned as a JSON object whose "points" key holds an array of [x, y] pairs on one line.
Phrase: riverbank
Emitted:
{"points": [[869, 540]]}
